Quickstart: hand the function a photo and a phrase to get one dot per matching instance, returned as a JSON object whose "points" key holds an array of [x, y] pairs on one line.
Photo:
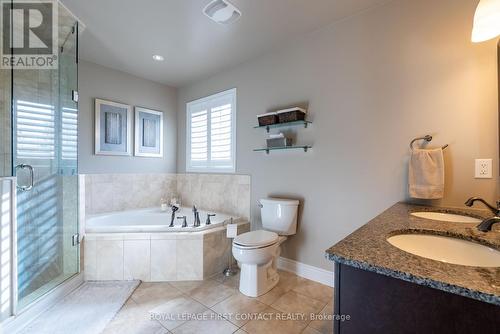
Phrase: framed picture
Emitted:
{"points": [[113, 128], [148, 133]]}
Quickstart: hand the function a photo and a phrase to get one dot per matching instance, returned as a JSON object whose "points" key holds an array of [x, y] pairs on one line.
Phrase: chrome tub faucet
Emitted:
{"points": [[196, 217], [175, 208]]}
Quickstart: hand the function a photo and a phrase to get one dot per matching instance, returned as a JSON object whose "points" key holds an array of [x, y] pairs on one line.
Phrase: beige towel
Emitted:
{"points": [[426, 174]]}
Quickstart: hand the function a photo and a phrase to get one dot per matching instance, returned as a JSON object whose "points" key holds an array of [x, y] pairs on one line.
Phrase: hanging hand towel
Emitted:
{"points": [[426, 174]]}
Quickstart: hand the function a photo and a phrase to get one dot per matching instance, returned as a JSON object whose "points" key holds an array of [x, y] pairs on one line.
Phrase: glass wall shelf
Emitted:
{"points": [[305, 124], [268, 149]]}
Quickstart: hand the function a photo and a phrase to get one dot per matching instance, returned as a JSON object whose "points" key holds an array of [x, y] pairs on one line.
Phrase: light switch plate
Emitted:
{"points": [[483, 169]]}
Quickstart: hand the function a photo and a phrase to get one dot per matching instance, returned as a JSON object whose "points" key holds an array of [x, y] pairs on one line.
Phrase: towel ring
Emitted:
{"points": [[427, 138]]}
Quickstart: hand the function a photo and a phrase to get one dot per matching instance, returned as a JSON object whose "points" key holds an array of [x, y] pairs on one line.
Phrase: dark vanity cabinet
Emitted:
{"points": [[375, 303]]}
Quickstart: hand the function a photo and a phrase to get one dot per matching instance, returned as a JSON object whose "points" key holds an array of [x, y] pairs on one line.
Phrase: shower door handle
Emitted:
{"points": [[32, 177]]}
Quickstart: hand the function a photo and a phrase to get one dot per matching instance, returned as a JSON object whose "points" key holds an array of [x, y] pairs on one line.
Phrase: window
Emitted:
{"points": [[211, 133], [35, 130], [37, 134], [69, 134]]}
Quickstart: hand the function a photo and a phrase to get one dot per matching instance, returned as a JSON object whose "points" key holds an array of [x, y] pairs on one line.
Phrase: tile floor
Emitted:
{"points": [[215, 306]]}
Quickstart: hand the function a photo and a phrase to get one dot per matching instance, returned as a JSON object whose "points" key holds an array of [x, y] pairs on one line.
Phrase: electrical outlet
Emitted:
{"points": [[483, 169]]}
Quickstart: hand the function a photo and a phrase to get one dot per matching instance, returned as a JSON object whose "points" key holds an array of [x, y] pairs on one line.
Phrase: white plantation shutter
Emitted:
{"points": [[69, 134], [211, 133], [199, 137], [35, 137], [220, 132], [39, 130]]}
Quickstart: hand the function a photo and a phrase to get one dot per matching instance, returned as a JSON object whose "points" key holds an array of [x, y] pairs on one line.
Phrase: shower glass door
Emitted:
{"points": [[44, 159]]}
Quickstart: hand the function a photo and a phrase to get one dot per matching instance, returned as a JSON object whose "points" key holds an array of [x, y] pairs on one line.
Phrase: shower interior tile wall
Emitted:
{"points": [[117, 192]]}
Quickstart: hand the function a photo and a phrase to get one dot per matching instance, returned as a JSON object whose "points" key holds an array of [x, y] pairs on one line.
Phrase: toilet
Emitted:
{"points": [[257, 252]]}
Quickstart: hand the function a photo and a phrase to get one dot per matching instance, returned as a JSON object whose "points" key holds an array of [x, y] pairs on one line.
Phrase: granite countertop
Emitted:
{"points": [[368, 249]]}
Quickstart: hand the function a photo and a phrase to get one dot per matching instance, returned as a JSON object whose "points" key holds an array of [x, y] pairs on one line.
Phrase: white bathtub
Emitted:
{"points": [[151, 220]]}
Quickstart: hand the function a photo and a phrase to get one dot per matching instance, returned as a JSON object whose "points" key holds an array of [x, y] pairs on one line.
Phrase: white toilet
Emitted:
{"points": [[257, 252]]}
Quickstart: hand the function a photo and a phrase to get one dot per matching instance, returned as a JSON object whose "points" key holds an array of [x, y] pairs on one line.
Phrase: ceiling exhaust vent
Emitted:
{"points": [[222, 12]]}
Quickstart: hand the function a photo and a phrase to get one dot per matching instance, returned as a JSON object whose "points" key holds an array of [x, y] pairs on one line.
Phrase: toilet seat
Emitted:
{"points": [[255, 239]]}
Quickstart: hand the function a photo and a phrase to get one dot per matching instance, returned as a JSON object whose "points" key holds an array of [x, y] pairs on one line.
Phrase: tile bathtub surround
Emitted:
{"points": [[224, 193], [136, 254], [119, 192], [218, 248], [157, 257], [220, 308]]}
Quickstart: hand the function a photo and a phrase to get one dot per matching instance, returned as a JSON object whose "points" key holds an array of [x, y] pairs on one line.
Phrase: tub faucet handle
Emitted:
{"points": [[208, 218], [184, 222]]}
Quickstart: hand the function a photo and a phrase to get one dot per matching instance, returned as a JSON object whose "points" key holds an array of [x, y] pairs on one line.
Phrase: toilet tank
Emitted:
{"points": [[279, 215]]}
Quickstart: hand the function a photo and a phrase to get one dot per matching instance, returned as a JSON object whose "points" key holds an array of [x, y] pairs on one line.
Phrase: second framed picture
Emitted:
{"points": [[148, 133]]}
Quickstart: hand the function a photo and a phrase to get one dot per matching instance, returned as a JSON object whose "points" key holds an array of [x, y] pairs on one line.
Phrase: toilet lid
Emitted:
{"points": [[258, 238]]}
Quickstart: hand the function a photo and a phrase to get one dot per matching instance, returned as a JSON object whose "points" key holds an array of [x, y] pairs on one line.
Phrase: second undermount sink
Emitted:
{"points": [[446, 217], [447, 249]]}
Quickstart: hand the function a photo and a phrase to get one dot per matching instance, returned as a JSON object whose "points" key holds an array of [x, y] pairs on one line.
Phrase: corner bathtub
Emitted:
{"points": [[151, 220], [139, 245]]}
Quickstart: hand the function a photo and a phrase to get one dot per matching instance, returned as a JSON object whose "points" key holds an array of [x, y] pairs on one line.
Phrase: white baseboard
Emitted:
{"points": [[306, 271], [20, 321]]}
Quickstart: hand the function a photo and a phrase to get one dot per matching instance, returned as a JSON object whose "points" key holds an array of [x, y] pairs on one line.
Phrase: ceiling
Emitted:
{"points": [[124, 34]]}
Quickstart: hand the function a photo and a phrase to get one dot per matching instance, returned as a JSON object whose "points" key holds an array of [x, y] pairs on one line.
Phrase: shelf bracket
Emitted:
{"points": [[268, 128], [305, 148], [305, 125], [267, 151]]}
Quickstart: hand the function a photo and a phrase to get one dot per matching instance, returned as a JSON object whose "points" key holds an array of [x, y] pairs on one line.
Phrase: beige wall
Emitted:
{"points": [[373, 82], [96, 81]]}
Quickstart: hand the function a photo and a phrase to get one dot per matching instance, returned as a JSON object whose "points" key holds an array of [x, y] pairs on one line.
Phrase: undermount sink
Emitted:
{"points": [[446, 217], [447, 249]]}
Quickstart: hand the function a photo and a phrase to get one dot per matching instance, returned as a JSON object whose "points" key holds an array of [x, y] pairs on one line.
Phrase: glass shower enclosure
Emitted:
{"points": [[38, 145]]}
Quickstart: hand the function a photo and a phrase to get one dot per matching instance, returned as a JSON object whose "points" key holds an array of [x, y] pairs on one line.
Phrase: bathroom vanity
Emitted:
{"points": [[380, 288]]}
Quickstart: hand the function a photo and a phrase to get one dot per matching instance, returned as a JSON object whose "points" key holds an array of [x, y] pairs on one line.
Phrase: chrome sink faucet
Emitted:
{"points": [[486, 224]]}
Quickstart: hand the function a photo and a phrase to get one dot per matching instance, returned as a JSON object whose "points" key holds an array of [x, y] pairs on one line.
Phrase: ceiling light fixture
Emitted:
{"points": [[486, 21], [158, 58], [222, 11]]}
